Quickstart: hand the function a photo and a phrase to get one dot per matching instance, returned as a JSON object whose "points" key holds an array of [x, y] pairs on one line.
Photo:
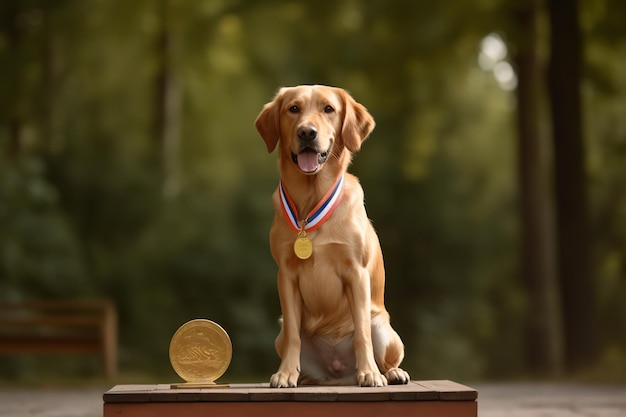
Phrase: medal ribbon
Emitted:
{"points": [[318, 215]]}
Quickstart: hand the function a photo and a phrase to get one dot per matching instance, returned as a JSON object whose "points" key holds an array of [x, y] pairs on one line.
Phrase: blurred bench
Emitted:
{"points": [[61, 326]]}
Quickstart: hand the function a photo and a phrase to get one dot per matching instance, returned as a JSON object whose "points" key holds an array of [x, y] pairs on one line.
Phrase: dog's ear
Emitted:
{"points": [[268, 122], [357, 123]]}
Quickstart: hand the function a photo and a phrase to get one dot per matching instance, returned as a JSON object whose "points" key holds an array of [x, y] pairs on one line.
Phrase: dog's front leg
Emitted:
{"points": [[288, 343], [359, 297]]}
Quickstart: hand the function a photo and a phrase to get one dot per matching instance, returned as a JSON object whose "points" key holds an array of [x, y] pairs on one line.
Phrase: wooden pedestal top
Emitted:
{"points": [[442, 390]]}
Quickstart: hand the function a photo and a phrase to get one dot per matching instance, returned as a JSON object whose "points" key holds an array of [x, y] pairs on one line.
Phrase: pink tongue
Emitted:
{"points": [[307, 161]]}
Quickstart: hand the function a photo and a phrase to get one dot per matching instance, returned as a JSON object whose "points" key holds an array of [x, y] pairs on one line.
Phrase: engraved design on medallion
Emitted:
{"points": [[200, 351]]}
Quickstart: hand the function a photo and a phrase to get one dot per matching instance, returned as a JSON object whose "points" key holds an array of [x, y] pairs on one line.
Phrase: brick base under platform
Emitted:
{"points": [[418, 398]]}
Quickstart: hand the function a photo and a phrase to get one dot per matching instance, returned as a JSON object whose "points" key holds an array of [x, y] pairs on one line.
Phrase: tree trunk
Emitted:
{"points": [[167, 111], [543, 328], [46, 101], [14, 99], [573, 231]]}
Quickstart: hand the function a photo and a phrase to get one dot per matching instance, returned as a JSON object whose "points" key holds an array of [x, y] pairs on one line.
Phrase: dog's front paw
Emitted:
{"points": [[284, 380], [397, 376], [371, 379]]}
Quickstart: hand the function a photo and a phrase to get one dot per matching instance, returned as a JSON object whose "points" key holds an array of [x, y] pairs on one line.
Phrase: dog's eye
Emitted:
{"points": [[294, 109], [328, 109]]}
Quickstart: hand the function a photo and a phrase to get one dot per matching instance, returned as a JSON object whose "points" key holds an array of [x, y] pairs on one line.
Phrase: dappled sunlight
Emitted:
{"points": [[493, 57]]}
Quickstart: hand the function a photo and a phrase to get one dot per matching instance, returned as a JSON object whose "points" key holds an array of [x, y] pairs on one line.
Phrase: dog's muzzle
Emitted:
{"points": [[309, 159]]}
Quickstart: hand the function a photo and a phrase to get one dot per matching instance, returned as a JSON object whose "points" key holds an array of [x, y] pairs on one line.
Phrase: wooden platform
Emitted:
{"points": [[418, 398]]}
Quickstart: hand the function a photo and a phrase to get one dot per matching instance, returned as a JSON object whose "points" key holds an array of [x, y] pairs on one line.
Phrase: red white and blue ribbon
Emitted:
{"points": [[318, 215]]}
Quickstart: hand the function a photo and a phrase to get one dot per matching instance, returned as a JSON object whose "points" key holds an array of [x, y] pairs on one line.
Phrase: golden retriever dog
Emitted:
{"points": [[331, 278]]}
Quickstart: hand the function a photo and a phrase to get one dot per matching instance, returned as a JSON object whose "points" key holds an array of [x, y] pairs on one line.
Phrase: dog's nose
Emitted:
{"points": [[307, 133]]}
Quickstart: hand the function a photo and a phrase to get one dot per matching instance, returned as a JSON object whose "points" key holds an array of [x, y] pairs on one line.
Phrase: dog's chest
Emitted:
{"points": [[320, 283]]}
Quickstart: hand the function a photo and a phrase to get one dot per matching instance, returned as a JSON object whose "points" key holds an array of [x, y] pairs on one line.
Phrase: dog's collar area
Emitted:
{"points": [[318, 215]]}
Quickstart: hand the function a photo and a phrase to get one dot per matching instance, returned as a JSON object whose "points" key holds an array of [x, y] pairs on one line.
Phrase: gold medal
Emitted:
{"points": [[200, 351], [303, 247]]}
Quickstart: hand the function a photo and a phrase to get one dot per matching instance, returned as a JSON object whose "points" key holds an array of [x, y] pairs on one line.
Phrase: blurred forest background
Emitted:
{"points": [[130, 169]]}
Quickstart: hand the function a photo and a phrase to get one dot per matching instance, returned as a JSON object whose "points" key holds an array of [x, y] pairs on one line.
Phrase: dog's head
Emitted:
{"points": [[315, 125]]}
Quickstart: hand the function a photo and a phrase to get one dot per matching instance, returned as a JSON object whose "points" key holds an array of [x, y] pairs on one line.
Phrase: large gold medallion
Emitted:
{"points": [[303, 247], [200, 351]]}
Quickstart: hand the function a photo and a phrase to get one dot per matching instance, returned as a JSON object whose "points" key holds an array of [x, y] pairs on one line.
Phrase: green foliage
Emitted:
{"points": [[82, 208], [39, 253]]}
